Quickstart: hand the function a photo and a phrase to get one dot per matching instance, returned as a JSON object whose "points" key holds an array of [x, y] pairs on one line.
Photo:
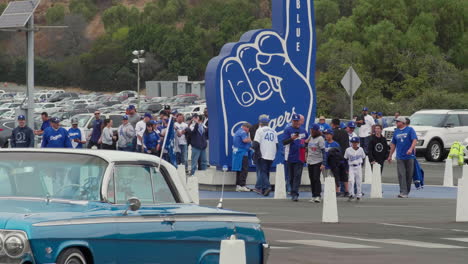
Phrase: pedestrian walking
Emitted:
{"points": [[198, 140], [45, 124], [76, 134], [340, 135], [315, 157], [334, 162], [55, 136], [294, 141], [22, 136], [96, 131], [240, 156], [140, 130], [181, 129], [355, 156], [378, 147], [107, 137], [151, 140], [366, 123], [126, 135], [404, 141], [265, 147]]}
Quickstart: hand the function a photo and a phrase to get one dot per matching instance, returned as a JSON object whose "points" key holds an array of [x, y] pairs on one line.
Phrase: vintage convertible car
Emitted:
{"points": [[95, 206]]}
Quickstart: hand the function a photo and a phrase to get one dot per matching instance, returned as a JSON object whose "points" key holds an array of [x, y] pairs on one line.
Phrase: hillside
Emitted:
{"points": [[412, 52]]}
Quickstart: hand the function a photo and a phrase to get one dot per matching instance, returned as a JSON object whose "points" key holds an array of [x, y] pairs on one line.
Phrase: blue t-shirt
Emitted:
{"points": [[45, 125], [402, 139], [150, 140], [329, 146], [56, 138], [96, 134], [324, 126], [238, 142], [292, 150], [75, 133]]}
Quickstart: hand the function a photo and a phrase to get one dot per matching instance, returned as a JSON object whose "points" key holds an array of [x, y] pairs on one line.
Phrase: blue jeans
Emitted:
{"points": [[263, 174], [182, 156], [198, 154], [365, 144], [295, 173], [286, 177], [134, 142]]}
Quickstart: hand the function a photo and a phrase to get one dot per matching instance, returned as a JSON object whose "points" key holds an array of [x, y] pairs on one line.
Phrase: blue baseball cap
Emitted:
{"points": [[379, 114], [131, 107], [373, 113], [354, 140], [328, 131], [315, 127], [125, 117], [21, 117], [296, 117], [153, 122], [351, 124], [148, 115], [174, 112], [55, 120], [365, 109]]}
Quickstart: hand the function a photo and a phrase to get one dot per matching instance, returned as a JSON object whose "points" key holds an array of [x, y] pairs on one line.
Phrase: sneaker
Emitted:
{"points": [[317, 199], [295, 198], [257, 191], [245, 189], [312, 200], [351, 198], [238, 188], [358, 198], [266, 192], [402, 195]]}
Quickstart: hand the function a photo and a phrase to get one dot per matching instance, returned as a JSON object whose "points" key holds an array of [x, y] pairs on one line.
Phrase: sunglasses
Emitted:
{"points": [[97, 113]]}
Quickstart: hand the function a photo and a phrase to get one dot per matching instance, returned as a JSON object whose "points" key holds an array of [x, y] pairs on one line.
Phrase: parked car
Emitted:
{"points": [[60, 96], [151, 108], [81, 206], [85, 121], [6, 127], [437, 130]]}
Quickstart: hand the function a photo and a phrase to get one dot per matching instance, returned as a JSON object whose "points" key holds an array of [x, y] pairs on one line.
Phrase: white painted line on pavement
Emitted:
{"points": [[273, 247], [385, 241], [413, 243], [459, 230], [327, 244], [459, 239], [409, 226]]}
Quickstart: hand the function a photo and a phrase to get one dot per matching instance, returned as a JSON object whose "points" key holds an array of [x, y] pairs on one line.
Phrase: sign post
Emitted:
{"points": [[351, 83]]}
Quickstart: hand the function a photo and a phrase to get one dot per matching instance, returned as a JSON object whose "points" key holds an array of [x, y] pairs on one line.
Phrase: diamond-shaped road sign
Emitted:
{"points": [[351, 81]]}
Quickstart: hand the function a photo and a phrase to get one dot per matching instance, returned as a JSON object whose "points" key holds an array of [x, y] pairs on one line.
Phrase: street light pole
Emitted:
{"points": [[138, 61]]}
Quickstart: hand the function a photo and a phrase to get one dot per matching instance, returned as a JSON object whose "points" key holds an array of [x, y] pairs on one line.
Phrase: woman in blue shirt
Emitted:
{"points": [[150, 140]]}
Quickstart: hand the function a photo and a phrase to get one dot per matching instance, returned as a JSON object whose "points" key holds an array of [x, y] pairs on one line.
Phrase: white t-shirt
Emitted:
{"points": [[355, 157], [350, 136], [181, 127], [267, 139], [366, 129], [140, 130]]}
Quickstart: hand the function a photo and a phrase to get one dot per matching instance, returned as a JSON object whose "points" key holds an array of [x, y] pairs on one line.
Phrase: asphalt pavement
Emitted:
{"points": [[420, 229]]}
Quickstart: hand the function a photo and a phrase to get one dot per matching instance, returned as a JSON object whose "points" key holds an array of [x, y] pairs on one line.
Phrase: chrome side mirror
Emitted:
{"points": [[133, 204]]}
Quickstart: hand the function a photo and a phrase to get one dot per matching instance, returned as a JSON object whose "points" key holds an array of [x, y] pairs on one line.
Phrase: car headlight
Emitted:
{"points": [[14, 245], [421, 133]]}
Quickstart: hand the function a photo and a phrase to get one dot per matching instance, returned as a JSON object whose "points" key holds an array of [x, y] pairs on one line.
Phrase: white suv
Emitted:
{"points": [[437, 130]]}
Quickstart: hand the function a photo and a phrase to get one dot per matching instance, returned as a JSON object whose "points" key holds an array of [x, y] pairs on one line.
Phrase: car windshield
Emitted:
{"points": [[82, 119], [421, 119], [53, 175]]}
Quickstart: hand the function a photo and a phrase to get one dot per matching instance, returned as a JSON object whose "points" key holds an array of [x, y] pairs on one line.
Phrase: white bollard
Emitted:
{"points": [[367, 171], [330, 207], [192, 188], [232, 251], [462, 197], [280, 182], [448, 173], [376, 187]]}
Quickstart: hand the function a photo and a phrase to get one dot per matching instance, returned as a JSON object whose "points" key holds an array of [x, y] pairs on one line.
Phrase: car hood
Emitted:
{"points": [[416, 128], [21, 213]]}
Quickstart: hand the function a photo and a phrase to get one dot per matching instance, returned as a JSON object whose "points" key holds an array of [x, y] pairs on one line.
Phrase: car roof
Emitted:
{"points": [[442, 111]]}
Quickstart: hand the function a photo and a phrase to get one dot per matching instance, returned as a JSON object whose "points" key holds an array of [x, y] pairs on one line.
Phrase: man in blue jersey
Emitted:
{"points": [[76, 135], [45, 124], [55, 136], [404, 141], [294, 140]]}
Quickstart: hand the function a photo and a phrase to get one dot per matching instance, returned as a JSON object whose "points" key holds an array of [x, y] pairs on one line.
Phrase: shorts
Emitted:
{"points": [[340, 174]]}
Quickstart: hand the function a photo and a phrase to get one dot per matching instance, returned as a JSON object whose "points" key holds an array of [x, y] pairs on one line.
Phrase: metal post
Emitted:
{"points": [[30, 74], [351, 94], [138, 84]]}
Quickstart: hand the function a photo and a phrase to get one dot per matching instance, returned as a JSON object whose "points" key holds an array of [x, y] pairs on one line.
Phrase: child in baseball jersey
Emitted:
{"points": [[355, 156]]}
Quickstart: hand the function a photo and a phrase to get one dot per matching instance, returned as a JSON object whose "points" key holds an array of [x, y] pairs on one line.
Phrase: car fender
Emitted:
{"points": [[210, 256], [71, 244]]}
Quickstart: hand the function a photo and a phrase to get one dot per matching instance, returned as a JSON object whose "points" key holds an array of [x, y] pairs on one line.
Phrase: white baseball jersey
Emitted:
{"points": [[140, 130], [267, 139], [355, 157], [366, 129]]}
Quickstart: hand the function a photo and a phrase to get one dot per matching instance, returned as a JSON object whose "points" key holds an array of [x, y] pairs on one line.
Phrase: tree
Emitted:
{"points": [[86, 8], [55, 14]]}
